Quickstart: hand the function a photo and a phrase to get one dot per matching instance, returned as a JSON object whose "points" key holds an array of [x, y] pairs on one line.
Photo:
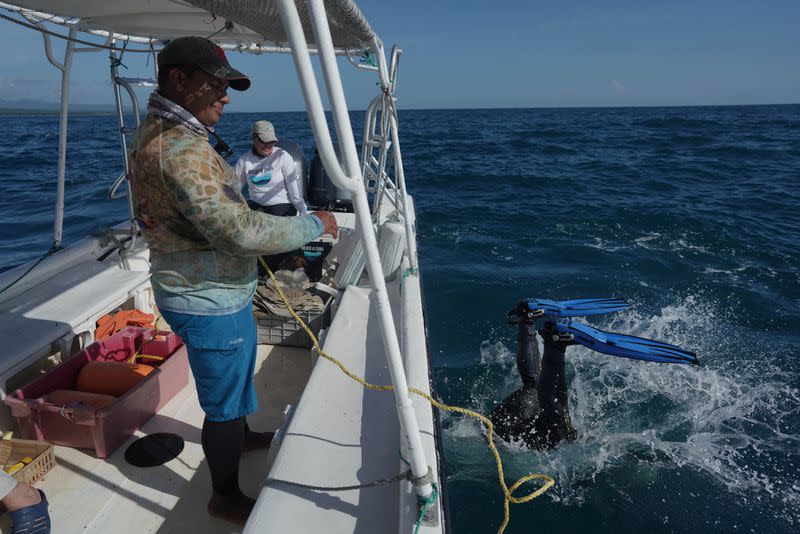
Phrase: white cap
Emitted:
{"points": [[265, 131]]}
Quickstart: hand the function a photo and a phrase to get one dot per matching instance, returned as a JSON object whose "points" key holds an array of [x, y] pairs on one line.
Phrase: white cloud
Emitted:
{"points": [[617, 86]]}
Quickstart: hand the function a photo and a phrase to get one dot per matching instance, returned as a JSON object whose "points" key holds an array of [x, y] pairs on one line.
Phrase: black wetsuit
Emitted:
{"points": [[538, 413]]}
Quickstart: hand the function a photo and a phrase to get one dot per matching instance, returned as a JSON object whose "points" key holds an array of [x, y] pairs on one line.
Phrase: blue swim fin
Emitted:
{"points": [[575, 307], [636, 348]]}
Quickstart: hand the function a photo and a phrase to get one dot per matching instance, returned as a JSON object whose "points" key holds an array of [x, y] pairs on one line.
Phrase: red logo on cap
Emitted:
{"points": [[221, 53]]}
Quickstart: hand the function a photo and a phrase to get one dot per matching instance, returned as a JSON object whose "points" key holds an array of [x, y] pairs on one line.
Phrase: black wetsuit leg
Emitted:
{"points": [[553, 396], [222, 443], [528, 361], [537, 413]]}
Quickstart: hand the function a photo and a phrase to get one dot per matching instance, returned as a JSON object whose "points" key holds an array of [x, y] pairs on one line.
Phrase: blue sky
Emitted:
{"points": [[467, 54]]}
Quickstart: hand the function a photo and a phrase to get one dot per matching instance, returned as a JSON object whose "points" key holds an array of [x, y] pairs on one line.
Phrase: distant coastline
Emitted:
{"points": [[22, 111], [79, 109], [32, 106]]}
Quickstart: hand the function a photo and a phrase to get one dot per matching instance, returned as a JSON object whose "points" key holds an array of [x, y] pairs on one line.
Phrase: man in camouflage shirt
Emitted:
{"points": [[204, 240]]}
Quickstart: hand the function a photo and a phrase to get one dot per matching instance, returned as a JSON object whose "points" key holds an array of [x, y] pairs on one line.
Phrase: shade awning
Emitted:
{"points": [[242, 21]]}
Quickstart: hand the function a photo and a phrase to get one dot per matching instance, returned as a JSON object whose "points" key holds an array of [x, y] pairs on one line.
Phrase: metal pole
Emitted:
{"points": [[382, 150], [411, 243], [115, 79], [66, 69], [354, 184], [383, 72], [330, 71], [367, 146], [396, 51], [389, 121], [405, 409]]}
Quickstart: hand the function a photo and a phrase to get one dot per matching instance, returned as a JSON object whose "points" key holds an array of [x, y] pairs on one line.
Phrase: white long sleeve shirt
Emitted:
{"points": [[272, 179]]}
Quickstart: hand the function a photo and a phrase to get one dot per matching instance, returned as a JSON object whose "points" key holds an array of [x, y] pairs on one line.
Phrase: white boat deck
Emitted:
{"points": [[102, 496], [342, 434], [339, 434]]}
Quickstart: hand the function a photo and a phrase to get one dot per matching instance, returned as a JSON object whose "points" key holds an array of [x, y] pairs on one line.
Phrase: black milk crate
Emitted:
{"points": [[285, 331]]}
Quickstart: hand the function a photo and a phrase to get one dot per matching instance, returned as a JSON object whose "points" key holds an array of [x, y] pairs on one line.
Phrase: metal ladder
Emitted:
{"points": [[377, 144], [128, 84]]}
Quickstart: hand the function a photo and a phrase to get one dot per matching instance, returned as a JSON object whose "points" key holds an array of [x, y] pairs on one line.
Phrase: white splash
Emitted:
{"points": [[729, 420], [645, 240], [601, 244]]}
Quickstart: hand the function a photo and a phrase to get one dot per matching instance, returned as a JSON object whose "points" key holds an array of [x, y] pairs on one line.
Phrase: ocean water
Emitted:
{"points": [[691, 214]]}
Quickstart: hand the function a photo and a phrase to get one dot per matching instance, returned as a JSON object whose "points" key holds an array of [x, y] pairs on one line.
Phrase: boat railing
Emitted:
{"points": [[128, 84], [350, 178], [376, 179], [36, 19], [113, 191], [65, 67], [380, 133]]}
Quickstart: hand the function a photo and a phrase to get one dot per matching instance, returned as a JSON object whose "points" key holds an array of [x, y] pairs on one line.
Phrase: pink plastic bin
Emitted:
{"points": [[106, 429]]}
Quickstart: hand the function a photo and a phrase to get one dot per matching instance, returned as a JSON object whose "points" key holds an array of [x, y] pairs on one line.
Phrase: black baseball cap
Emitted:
{"points": [[206, 55]]}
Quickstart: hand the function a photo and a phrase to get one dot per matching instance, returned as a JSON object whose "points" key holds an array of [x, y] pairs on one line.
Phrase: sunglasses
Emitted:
{"points": [[258, 140], [222, 148]]}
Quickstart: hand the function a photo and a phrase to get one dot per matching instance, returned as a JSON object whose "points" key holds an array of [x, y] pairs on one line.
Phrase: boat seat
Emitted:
{"points": [[57, 309], [325, 444]]}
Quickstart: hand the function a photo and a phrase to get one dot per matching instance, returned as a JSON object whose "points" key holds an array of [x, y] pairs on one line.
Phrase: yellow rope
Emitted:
{"points": [[132, 359], [507, 491], [149, 357]]}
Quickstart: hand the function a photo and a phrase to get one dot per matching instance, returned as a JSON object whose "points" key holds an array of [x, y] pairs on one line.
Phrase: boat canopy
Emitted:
{"points": [[254, 22]]}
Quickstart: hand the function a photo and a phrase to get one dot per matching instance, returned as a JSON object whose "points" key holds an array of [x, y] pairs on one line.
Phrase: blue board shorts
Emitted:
{"points": [[222, 355]]}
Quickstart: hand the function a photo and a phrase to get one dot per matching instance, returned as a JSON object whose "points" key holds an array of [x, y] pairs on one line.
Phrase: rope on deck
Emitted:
{"points": [[508, 491]]}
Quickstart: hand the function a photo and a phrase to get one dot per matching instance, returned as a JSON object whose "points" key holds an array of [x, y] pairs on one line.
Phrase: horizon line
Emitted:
{"points": [[111, 111]]}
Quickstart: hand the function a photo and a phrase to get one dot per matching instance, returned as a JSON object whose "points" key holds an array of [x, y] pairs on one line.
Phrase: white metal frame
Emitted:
{"points": [[127, 84], [35, 18], [66, 70], [349, 178]]}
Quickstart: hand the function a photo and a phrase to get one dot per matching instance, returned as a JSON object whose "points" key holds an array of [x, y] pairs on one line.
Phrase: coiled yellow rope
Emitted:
{"points": [[507, 491], [153, 334]]}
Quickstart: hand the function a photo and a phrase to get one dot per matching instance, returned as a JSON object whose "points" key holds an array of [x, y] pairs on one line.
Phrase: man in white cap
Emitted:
{"points": [[269, 175]]}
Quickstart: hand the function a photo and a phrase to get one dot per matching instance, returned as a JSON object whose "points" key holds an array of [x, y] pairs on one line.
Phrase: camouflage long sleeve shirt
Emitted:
{"points": [[203, 237]]}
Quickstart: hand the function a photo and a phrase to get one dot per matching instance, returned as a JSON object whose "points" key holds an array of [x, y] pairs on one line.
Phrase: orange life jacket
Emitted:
{"points": [[108, 325]]}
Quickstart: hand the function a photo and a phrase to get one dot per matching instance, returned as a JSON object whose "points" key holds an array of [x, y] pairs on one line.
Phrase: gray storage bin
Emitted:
{"points": [[279, 330]]}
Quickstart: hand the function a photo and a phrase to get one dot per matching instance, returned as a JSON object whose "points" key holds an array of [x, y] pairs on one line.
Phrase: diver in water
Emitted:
{"points": [[537, 414]]}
